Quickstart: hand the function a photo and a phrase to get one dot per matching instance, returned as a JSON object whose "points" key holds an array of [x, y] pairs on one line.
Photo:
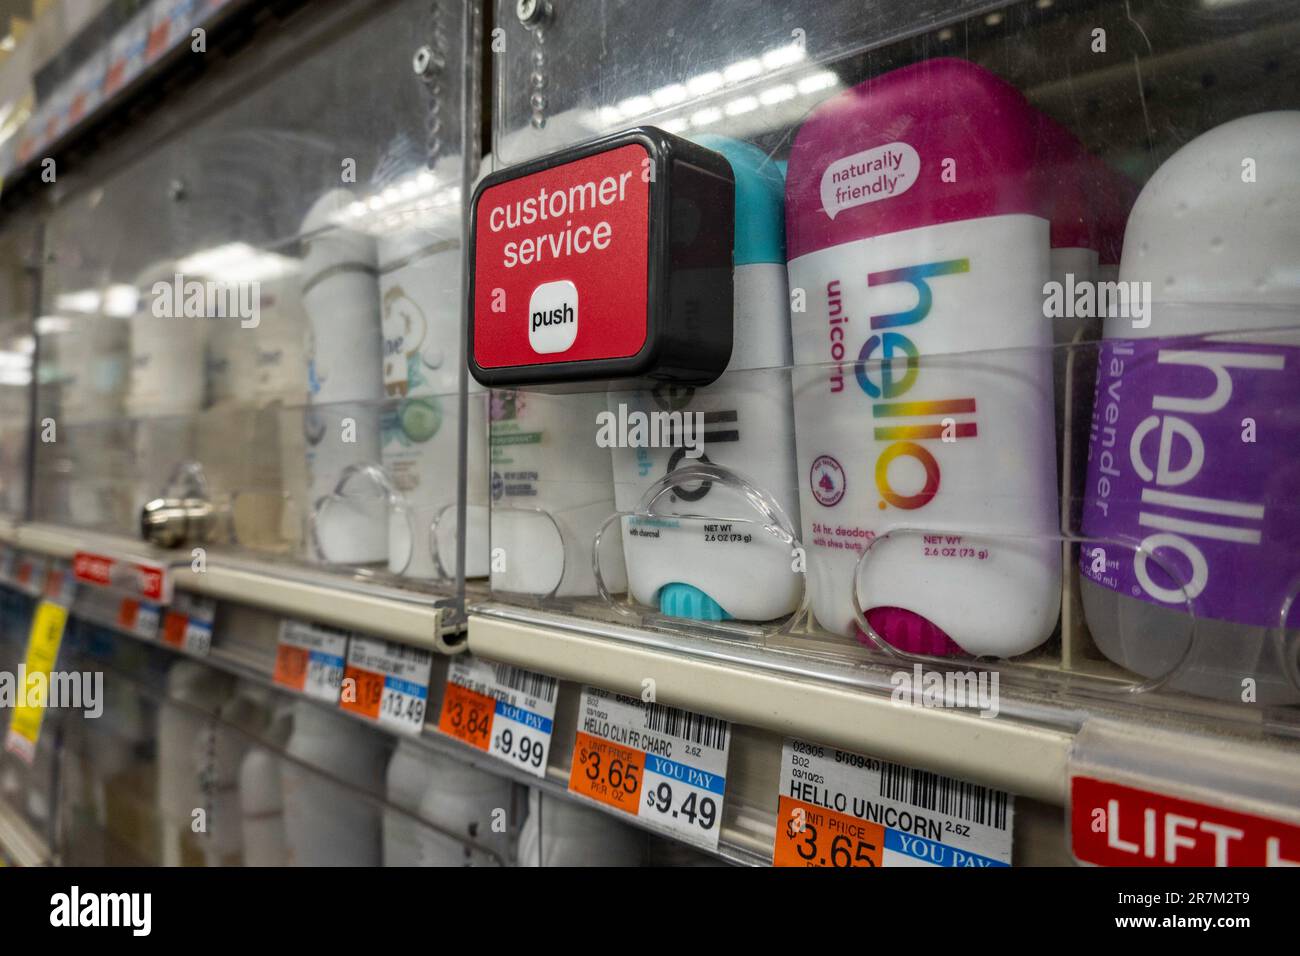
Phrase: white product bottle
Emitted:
{"points": [[419, 285], [114, 740], [466, 803], [219, 749], [560, 832], [1192, 483], [552, 491], [268, 511], [92, 359], [345, 386], [325, 823], [167, 380], [193, 690], [261, 796], [224, 428], [923, 394], [689, 567], [410, 774]]}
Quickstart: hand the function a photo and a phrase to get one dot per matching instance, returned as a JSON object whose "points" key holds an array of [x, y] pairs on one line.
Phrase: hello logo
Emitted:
{"points": [[1167, 451], [880, 354]]}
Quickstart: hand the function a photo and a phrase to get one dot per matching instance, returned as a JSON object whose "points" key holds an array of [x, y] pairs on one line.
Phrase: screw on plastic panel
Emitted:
{"points": [[532, 13], [535, 15], [176, 190], [427, 62]]}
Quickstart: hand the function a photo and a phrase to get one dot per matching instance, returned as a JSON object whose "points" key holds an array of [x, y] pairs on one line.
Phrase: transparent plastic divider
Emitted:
{"points": [[1287, 636], [356, 515], [578, 68], [653, 510], [982, 545], [1008, 476]]}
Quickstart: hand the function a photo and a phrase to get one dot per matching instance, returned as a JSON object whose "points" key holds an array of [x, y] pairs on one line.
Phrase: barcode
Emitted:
{"points": [[402, 654], [706, 731], [526, 682], [957, 798]]}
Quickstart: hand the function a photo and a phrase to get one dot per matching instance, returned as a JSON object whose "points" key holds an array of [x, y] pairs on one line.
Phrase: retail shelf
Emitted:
{"points": [[847, 707], [742, 841], [1025, 749], [350, 601], [19, 842]]}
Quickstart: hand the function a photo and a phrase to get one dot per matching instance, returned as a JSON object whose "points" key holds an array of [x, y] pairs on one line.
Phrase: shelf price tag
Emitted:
{"points": [[187, 625], [140, 618], [506, 711], [43, 642], [310, 659], [841, 809], [29, 573], [387, 683], [665, 766]]}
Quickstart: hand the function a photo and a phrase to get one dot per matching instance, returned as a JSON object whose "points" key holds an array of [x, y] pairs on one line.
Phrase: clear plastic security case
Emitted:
{"points": [[19, 258], [768, 507], [251, 305]]}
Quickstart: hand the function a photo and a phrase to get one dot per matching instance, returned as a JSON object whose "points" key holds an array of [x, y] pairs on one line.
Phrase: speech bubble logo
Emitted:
{"points": [[881, 172]]}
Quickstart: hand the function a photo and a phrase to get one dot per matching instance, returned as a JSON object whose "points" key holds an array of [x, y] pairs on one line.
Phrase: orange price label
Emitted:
{"points": [[815, 836], [158, 38], [173, 629], [127, 613], [291, 666], [362, 692], [607, 772], [467, 715]]}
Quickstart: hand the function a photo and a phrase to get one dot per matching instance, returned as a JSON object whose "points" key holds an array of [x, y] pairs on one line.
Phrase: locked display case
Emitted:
{"points": [[908, 386], [251, 308], [1007, 281], [20, 242]]}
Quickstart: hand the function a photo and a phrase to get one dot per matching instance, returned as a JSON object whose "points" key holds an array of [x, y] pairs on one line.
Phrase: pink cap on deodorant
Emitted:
{"points": [[1068, 174], [939, 141], [909, 631]]}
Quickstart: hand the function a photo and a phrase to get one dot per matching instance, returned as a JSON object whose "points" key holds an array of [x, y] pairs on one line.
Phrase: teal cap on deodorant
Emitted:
{"points": [[688, 601], [760, 200]]}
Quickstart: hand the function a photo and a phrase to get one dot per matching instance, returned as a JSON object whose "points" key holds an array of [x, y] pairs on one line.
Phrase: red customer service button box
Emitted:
{"points": [[585, 223], [606, 261]]}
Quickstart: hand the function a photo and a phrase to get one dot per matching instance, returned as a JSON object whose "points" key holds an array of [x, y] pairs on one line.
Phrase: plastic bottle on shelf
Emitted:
{"points": [[224, 427], [194, 695], [409, 776], [552, 490], [261, 795], [252, 461], [464, 802], [743, 422], [560, 832], [219, 750], [917, 230], [114, 741], [269, 514], [420, 294], [345, 385], [91, 360], [325, 823], [167, 383], [1193, 482], [1071, 179]]}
